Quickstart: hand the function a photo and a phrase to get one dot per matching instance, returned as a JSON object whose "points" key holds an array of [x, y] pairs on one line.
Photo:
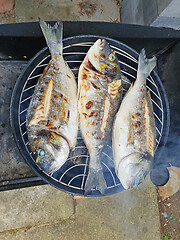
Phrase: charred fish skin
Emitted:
{"points": [[134, 134], [99, 91], [52, 118]]}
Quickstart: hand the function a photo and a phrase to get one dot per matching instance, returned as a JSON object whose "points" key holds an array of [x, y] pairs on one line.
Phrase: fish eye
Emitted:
{"points": [[112, 57], [41, 153]]}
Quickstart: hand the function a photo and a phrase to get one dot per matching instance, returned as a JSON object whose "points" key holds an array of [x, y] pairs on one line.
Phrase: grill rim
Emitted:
{"points": [[16, 130]]}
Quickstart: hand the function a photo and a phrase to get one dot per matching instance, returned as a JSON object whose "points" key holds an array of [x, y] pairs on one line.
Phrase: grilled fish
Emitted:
{"points": [[52, 118], [100, 93], [134, 135]]}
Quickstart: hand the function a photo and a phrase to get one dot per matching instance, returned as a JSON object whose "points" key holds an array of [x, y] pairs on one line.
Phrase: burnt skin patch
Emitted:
{"points": [[89, 104], [102, 55], [68, 76], [49, 124], [84, 76], [84, 114], [54, 117], [137, 124], [94, 85], [93, 113], [56, 96], [137, 114], [68, 114], [65, 99]]}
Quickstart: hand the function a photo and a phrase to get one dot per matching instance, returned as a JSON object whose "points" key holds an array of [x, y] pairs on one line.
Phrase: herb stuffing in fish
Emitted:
{"points": [[134, 134], [100, 93], [52, 119]]}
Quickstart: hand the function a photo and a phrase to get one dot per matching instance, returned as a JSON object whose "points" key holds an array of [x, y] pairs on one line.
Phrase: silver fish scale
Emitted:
{"points": [[74, 172]]}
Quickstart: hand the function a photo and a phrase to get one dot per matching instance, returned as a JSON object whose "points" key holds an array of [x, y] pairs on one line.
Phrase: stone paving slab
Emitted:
{"points": [[129, 215], [12, 164], [7, 11], [88, 10], [33, 206]]}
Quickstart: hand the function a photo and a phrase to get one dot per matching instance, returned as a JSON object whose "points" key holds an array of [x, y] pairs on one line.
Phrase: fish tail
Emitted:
{"points": [[53, 36], [146, 65], [95, 179]]}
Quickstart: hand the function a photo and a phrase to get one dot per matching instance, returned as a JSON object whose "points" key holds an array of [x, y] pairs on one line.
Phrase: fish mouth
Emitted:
{"points": [[135, 167], [102, 43], [137, 179]]}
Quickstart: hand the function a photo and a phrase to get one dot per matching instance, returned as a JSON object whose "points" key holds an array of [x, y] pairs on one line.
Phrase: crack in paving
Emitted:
{"points": [[25, 229]]}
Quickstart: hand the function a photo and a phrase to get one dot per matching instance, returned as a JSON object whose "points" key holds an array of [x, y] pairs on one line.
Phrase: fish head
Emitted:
{"points": [[133, 169], [103, 58], [51, 151]]}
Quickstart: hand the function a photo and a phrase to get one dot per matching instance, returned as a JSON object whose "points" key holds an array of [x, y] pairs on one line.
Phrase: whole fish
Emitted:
{"points": [[52, 118], [134, 134], [100, 93]]}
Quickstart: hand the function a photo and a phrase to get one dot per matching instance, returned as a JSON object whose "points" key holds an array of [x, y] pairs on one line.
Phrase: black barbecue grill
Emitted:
{"points": [[72, 176]]}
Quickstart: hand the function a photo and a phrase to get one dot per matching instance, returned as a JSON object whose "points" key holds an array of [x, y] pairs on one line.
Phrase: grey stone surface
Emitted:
{"points": [[130, 215], [162, 4], [158, 13], [90, 10], [34, 206], [150, 11], [12, 164], [167, 22], [132, 12], [172, 10]]}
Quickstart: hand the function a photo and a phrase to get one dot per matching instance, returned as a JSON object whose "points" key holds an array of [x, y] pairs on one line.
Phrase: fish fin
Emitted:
{"points": [[53, 35], [94, 179], [149, 124], [146, 65], [113, 88], [42, 111]]}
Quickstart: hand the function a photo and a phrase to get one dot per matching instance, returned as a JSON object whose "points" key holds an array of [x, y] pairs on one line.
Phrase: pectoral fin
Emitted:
{"points": [[113, 88]]}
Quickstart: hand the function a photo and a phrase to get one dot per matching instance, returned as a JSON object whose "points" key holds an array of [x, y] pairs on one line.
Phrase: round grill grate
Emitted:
{"points": [[72, 176]]}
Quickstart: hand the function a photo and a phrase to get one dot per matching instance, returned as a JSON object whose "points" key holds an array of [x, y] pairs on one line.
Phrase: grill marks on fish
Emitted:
{"points": [[149, 125], [105, 112], [134, 136], [89, 104], [43, 109]]}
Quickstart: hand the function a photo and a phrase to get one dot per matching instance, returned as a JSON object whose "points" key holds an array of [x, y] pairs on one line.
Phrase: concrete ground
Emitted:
{"points": [[44, 212]]}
